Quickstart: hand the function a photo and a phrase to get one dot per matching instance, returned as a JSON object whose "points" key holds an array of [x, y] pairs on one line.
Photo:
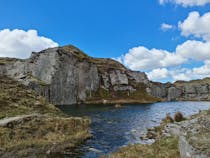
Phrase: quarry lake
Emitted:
{"points": [[115, 127]]}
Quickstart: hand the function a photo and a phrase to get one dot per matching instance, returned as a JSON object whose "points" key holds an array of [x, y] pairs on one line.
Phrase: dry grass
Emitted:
{"points": [[6, 60], [42, 134], [48, 131], [178, 117], [163, 148], [167, 119], [17, 99]]}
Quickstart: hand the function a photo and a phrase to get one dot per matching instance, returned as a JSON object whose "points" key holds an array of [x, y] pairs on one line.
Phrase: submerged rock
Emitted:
{"points": [[118, 105]]}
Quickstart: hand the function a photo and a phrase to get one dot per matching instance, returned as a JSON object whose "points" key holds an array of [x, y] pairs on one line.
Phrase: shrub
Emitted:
{"points": [[178, 117], [168, 119]]}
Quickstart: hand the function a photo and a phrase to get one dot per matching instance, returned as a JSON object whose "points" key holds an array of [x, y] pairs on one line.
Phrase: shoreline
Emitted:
{"points": [[175, 135]]}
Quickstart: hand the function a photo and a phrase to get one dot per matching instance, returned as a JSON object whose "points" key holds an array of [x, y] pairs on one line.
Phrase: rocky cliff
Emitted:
{"points": [[66, 75], [194, 90]]}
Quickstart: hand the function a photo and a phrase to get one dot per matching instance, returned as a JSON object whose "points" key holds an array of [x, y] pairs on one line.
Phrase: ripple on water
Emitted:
{"points": [[113, 128]]}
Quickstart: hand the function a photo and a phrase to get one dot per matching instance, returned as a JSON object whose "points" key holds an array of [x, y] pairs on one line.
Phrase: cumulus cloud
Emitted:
{"points": [[166, 27], [158, 74], [186, 3], [185, 74], [196, 50], [19, 43], [141, 58], [189, 74], [162, 64], [196, 25], [203, 70]]}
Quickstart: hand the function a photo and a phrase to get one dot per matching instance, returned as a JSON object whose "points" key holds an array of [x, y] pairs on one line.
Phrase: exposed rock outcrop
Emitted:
{"points": [[193, 135], [195, 89], [181, 90], [66, 75]]}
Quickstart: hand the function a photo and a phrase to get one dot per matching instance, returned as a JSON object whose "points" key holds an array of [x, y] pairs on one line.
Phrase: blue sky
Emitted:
{"points": [[109, 28]]}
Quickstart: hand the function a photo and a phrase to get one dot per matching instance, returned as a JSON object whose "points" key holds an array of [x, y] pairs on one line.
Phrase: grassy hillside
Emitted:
{"points": [[31, 127]]}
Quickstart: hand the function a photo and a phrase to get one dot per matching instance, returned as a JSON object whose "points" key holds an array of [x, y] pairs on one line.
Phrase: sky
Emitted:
{"points": [[167, 39]]}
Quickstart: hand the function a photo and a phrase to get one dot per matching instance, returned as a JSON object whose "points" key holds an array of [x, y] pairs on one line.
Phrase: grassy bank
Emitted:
{"points": [[31, 127], [17, 99], [163, 148]]}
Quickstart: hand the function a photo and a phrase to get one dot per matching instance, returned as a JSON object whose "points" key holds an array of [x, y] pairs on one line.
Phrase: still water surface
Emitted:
{"points": [[115, 127]]}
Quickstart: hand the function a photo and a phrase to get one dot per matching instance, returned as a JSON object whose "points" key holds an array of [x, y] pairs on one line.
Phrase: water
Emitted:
{"points": [[115, 127]]}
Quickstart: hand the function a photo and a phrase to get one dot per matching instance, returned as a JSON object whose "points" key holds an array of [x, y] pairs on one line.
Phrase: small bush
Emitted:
{"points": [[178, 117], [168, 119]]}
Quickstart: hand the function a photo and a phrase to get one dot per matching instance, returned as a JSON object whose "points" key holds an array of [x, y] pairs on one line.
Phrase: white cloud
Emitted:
{"points": [[196, 50], [141, 58], [196, 25], [203, 70], [190, 74], [19, 43], [158, 74], [166, 27], [186, 3], [162, 64], [180, 73]]}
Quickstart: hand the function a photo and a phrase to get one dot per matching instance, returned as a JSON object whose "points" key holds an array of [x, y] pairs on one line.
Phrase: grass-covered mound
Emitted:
{"points": [[31, 127], [17, 99], [163, 148]]}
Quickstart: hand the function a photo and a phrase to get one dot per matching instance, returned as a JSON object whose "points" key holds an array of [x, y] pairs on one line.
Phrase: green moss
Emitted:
{"points": [[138, 96], [104, 93]]}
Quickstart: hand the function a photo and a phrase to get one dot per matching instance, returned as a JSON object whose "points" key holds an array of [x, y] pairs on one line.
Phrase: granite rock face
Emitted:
{"points": [[194, 90], [66, 75], [181, 90], [193, 134], [56, 74]]}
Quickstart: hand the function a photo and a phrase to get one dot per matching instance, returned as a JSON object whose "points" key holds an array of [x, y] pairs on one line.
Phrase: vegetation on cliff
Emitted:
{"points": [[17, 99], [114, 97]]}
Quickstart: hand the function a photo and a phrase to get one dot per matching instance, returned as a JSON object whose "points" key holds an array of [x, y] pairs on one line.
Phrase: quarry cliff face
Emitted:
{"points": [[66, 75]]}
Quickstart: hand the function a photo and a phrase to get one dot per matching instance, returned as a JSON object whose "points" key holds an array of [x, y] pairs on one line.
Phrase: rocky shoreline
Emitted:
{"points": [[188, 138]]}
